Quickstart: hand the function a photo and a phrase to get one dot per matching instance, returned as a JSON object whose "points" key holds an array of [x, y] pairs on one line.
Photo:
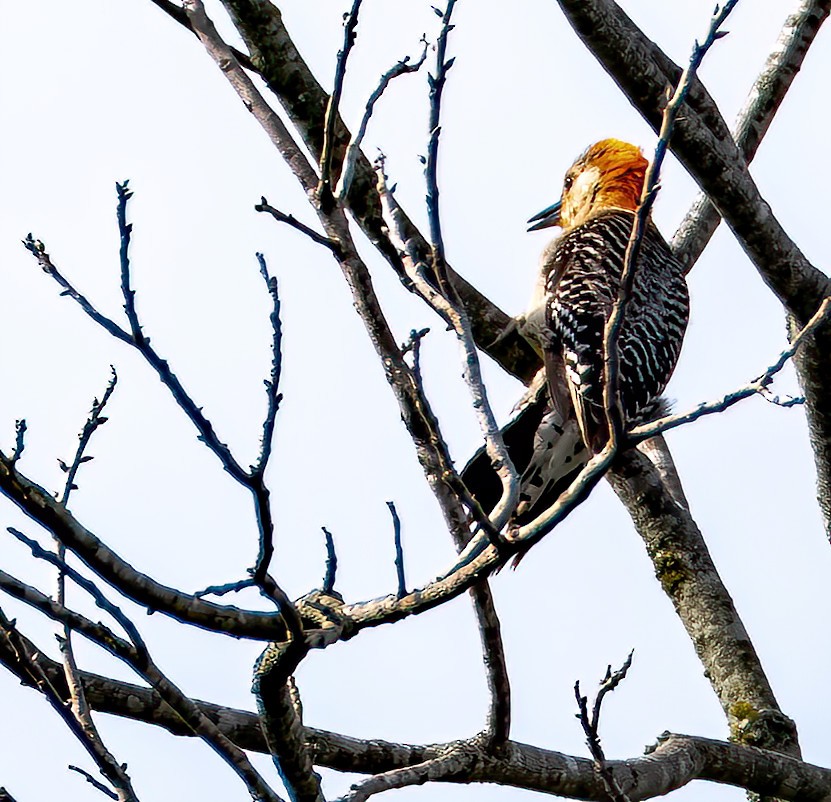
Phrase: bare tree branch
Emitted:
{"points": [[89, 738], [272, 384], [79, 707], [329, 577], [249, 94], [457, 763], [754, 120], [45, 510], [354, 150], [290, 220], [591, 726], [138, 658], [99, 786], [758, 386], [180, 15], [290, 79]]}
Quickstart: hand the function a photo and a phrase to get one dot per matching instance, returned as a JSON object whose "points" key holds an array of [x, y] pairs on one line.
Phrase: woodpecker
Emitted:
{"points": [[577, 288]]}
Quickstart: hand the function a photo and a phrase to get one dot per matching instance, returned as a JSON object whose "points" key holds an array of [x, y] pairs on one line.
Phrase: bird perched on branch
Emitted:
{"points": [[563, 418]]}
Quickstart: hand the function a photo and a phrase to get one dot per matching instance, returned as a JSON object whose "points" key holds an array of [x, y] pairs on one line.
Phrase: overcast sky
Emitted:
{"points": [[95, 91]]}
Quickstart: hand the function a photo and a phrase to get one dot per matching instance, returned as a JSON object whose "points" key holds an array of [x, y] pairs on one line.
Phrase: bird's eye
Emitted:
{"points": [[567, 183]]}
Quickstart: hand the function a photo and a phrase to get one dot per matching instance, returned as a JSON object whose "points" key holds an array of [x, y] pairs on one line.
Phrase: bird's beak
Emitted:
{"points": [[546, 218]]}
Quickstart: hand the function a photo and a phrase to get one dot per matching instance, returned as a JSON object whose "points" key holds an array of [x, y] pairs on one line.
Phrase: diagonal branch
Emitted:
{"points": [[109, 767], [754, 120], [756, 387], [45, 510], [138, 658], [249, 94]]}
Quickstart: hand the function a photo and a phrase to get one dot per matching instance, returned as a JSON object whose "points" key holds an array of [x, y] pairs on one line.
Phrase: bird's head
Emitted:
{"points": [[609, 175]]}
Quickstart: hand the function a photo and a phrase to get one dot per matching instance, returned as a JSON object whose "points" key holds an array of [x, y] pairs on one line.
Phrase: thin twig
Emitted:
{"points": [[352, 152], [290, 220], [78, 702], [324, 190], [437, 83], [331, 563], [272, 384], [206, 432], [399, 550], [448, 303], [591, 726], [38, 250], [99, 786], [19, 440], [125, 231], [95, 419]]}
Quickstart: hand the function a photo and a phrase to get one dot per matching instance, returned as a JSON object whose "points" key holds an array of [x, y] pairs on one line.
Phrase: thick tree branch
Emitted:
{"points": [[45, 510], [689, 577], [677, 760], [754, 120]]}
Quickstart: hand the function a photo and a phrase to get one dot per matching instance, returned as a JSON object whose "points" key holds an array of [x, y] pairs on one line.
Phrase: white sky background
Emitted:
{"points": [[94, 92]]}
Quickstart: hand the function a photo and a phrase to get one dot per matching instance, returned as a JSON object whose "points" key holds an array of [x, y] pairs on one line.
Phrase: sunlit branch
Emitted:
{"points": [[180, 15], [249, 94], [456, 317]]}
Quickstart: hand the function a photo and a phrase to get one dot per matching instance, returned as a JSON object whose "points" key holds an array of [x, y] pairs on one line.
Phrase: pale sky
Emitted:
{"points": [[96, 91]]}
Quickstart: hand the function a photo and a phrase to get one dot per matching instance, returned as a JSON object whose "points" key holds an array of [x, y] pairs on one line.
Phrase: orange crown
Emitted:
{"points": [[622, 170]]}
